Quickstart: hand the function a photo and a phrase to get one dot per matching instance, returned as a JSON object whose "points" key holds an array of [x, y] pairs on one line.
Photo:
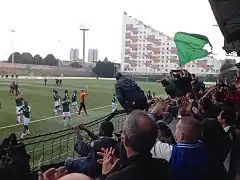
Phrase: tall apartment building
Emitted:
{"points": [[148, 51], [74, 54], [92, 55]]}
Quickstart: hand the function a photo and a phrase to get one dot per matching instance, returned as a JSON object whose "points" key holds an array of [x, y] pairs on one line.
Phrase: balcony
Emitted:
{"points": [[173, 50]]}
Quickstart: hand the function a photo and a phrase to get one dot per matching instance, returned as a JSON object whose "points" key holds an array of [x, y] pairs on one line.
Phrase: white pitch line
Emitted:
{"points": [[44, 119]]}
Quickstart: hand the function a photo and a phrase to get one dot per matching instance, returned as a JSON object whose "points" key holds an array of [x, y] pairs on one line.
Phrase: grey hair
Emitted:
{"points": [[140, 138]]}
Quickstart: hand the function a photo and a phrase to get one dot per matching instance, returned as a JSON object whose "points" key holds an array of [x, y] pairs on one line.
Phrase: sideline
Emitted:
{"points": [[52, 117]]}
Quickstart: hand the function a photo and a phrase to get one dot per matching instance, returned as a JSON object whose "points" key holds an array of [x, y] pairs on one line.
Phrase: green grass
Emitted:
{"points": [[41, 102]]}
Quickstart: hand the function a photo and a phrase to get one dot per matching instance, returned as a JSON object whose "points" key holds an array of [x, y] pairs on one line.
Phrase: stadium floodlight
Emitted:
{"points": [[83, 29]]}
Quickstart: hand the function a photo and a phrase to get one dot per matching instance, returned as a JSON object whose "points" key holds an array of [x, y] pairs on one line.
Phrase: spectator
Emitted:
{"points": [[188, 158], [129, 94], [218, 145], [61, 174], [183, 82], [227, 118], [52, 174], [139, 135], [171, 89], [164, 133], [75, 176], [207, 109], [88, 163]]}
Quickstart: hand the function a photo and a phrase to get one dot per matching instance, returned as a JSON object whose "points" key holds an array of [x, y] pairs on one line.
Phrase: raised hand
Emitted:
{"points": [[52, 174], [109, 160]]}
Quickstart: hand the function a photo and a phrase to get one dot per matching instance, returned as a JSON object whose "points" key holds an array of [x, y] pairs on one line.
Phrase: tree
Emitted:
{"points": [[37, 59], [104, 69], [17, 58], [50, 60], [27, 58], [75, 65]]}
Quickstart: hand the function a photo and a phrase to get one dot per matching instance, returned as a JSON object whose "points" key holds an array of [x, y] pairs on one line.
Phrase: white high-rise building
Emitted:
{"points": [[146, 50], [74, 54], [92, 55]]}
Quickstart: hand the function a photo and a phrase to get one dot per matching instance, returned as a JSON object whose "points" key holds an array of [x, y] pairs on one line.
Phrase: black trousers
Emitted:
{"points": [[82, 106]]}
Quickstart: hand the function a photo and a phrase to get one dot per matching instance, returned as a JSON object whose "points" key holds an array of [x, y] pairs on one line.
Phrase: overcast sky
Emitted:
{"points": [[40, 24]]}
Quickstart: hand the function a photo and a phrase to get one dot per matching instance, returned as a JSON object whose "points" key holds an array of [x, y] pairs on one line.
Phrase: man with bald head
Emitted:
{"points": [[75, 176], [139, 136], [189, 157]]}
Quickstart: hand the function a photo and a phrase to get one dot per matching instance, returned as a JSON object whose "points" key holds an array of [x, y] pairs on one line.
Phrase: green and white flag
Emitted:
{"points": [[191, 46]]}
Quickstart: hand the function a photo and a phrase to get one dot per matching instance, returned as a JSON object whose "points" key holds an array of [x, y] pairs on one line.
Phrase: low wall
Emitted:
{"points": [[41, 70], [72, 78]]}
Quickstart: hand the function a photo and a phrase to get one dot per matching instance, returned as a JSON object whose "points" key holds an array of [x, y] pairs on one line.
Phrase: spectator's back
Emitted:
{"points": [[142, 168], [130, 95], [191, 159]]}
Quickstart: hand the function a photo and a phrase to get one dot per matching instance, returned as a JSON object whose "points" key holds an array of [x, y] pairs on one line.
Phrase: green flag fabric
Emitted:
{"points": [[190, 46]]}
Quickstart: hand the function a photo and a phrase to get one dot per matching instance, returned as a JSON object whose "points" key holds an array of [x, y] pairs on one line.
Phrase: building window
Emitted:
{"points": [[192, 65], [163, 44], [167, 48], [167, 43], [166, 65], [188, 66]]}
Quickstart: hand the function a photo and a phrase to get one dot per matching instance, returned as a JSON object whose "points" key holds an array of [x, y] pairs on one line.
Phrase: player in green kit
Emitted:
{"points": [[66, 111], [26, 118], [74, 101], [19, 103]]}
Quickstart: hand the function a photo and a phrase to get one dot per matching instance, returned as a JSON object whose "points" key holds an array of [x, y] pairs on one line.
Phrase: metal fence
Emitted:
{"points": [[55, 147]]}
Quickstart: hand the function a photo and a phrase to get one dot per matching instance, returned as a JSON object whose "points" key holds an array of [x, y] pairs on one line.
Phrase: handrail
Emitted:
{"points": [[48, 148]]}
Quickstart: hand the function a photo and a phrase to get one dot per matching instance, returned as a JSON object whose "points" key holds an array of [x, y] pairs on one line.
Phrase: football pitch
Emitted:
{"points": [[40, 98]]}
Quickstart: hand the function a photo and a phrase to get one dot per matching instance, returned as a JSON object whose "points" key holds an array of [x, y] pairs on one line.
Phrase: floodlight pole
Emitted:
{"points": [[84, 43], [12, 31]]}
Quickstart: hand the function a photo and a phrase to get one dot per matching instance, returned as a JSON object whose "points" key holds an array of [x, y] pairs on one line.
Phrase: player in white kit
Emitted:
{"points": [[74, 101], [114, 103], [26, 118], [56, 99], [19, 103]]}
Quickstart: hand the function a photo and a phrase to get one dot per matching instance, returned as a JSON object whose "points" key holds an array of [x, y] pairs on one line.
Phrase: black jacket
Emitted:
{"points": [[130, 95], [142, 168]]}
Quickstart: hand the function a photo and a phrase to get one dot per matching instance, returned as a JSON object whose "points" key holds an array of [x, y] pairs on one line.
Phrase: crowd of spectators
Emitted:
{"points": [[190, 135]]}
